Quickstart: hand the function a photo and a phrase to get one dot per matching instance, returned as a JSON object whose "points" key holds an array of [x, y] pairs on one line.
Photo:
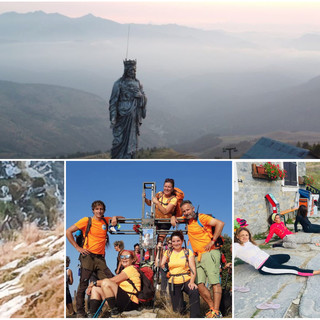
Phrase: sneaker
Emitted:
{"points": [[213, 314]]}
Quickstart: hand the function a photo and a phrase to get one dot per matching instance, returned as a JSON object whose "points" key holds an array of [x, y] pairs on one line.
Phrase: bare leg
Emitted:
{"points": [[109, 288], [217, 292], [206, 296], [97, 293]]}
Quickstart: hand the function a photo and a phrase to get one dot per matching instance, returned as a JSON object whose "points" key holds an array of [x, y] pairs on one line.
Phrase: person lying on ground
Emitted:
{"points": [[248, 251], [302, 218], [290, 240], [182, 275], [120, 294]]}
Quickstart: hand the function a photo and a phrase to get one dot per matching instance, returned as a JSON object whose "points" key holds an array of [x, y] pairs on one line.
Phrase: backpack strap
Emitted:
{"points": [[202, 226], [87, 230]]}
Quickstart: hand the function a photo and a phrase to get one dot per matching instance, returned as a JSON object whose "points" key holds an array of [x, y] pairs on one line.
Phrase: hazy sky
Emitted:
{"points": [[259, 15]]}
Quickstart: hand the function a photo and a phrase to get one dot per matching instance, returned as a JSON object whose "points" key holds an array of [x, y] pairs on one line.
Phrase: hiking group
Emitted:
{"points": [[183, 269]]}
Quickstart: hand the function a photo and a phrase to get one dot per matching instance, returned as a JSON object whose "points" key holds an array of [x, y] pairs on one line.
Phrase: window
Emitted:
{"points": [[291, 178]]}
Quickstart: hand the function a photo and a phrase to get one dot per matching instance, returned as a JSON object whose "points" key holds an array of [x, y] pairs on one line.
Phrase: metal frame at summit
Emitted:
{"points": [[148, 220]]}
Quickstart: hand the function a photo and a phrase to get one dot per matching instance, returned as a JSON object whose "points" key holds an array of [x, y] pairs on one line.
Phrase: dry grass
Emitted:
{"points": [[6, 252], [59, 229], [45, 283], [30, 233]]}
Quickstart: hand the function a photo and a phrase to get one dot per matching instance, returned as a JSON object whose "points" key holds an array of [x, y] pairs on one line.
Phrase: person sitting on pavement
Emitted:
{"points": [[247, 250], [290, 240], [119, 293], [182, 275], [92, 254], [203, 243], [302, 218]]}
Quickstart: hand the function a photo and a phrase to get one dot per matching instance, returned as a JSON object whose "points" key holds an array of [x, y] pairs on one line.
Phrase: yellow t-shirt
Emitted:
{"points": [[96, 239], [134, 275], [164, 201], [178, 264], [198, 237]]}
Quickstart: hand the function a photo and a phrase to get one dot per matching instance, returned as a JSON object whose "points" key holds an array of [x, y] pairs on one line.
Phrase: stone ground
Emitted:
{"points": [[297, 296]]}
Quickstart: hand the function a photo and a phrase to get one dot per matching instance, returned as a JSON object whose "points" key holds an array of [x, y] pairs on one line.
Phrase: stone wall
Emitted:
{"points": [[249, 200]]}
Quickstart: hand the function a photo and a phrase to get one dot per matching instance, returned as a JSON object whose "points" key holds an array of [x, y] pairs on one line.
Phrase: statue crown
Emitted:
{"points": [[129, 63]]}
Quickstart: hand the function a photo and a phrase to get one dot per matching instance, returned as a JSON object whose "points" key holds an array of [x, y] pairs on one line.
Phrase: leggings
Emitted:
{"points": [[273, 265]]}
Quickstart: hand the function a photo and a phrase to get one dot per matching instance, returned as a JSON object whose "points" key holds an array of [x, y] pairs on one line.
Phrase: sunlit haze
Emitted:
{"points": [[267, 16]]}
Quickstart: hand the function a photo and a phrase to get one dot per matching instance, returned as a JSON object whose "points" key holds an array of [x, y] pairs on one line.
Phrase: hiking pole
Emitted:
{"points": [[96, 315]]}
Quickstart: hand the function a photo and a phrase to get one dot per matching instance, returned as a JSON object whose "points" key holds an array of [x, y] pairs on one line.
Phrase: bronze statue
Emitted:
{"points": [[127, 107]]}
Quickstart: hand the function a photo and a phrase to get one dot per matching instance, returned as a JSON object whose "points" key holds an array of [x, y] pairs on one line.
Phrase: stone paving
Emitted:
{"points": [[297, 296]]}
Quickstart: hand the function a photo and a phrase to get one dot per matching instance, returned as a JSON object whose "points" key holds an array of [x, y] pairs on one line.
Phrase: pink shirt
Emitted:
{"points": [[279, 229]]}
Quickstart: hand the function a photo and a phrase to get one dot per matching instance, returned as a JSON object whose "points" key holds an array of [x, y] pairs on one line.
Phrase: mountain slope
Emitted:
{"points": [[42, 120]]}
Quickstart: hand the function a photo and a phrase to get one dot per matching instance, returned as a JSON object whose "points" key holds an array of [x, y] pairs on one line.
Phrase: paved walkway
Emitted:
{"points": [[297, 296]]}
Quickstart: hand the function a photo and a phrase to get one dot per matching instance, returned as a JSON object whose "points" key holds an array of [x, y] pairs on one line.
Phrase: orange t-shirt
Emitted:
{"points": [[198, 237], [96, 239]]}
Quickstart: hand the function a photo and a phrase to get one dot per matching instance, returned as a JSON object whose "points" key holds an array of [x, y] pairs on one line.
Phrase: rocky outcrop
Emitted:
{"points": [[31, 191]]}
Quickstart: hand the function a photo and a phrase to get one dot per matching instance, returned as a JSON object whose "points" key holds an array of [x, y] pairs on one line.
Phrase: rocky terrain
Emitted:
{"points": [[32, 241]]}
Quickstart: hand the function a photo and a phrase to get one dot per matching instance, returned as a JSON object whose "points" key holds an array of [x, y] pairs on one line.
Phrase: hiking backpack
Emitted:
{"points": [[80, 239], [147, 292], [219, 241], [179, 194]]}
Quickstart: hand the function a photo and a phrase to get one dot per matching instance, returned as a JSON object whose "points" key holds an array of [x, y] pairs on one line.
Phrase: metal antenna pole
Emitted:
{"points": [[128, 41]]}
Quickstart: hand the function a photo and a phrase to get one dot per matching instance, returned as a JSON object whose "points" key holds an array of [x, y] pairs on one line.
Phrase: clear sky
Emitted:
{"points": [[240, 15], [119, 185]]}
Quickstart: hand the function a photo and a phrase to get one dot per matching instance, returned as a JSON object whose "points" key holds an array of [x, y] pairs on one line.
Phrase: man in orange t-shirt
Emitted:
{"points": [[208, 257], [92, 254]]}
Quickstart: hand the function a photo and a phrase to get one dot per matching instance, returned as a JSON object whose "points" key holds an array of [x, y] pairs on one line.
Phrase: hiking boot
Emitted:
{"points": [[81, 315], [115, 311], [213, 314]]}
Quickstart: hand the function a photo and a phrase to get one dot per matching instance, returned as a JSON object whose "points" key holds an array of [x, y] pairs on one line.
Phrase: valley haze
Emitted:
{"points": [[57, 74]]}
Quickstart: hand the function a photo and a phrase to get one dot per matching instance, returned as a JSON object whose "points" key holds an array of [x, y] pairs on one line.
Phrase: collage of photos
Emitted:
{"points": [[160, 159]]}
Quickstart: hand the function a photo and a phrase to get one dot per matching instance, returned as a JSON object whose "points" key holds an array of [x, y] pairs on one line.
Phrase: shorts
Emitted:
{"points": [[123, 301], [208, 268], [68, 296]]}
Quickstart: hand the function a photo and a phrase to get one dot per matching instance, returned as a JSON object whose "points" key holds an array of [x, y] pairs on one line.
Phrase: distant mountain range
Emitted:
{"points": [[58, 73], [40, 26]]}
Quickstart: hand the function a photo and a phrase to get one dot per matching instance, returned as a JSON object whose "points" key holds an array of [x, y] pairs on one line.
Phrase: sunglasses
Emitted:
{"points": [[169, 242], [126, 256]]}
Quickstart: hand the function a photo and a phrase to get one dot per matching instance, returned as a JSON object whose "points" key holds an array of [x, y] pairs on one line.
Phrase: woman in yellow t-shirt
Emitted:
{"points": [[165, 202], [118, 292], [182, 274]]}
